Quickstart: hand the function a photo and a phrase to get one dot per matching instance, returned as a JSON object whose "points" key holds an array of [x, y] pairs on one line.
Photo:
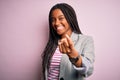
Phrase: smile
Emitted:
{"points": [[60, 28]]}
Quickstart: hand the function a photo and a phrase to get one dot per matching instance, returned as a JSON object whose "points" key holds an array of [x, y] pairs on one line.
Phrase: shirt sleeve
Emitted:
{"points": [[87, 58]]}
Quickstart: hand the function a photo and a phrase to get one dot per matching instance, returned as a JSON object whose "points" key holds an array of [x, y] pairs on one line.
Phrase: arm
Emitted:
{"points": [[87, 58], [84, 65]]}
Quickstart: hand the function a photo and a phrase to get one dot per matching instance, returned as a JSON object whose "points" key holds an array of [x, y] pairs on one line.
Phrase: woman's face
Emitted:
{"points": [[60, 23]]}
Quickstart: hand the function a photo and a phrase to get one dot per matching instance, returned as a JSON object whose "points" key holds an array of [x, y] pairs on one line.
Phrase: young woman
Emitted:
{"points": [[68, 55]]}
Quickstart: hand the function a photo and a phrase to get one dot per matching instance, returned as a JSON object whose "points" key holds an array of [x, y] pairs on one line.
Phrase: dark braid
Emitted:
{"points": [[52, 44]]}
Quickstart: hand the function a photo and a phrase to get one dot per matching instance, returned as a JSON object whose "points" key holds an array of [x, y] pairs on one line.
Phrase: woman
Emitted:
{"points": [[69, 55]]}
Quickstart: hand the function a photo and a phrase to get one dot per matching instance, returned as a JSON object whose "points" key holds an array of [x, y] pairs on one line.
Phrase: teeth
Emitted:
{"points": [[60, 27]]}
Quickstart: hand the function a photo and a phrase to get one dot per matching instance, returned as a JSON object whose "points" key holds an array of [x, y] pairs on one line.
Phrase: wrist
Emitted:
{"points": [[74, 60]]}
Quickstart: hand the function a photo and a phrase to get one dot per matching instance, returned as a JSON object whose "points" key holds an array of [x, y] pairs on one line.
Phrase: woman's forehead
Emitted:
{"points": [[57, 13]]}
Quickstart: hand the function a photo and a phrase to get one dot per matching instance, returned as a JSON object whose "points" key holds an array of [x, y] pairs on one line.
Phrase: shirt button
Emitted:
{"points": [[61, 78]]}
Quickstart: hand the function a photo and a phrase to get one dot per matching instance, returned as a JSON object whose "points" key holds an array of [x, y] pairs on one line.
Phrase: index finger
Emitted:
{"points": [[69, 40]]}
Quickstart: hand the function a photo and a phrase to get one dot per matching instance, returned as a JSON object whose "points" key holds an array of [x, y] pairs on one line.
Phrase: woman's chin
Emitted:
{"points": [[59, 32]]}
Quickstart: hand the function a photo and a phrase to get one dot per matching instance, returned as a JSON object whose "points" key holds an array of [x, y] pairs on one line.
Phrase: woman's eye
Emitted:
{"points": [[61, 18], [53, 20]]}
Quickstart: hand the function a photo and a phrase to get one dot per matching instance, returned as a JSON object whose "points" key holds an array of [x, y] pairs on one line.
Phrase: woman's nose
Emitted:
{"points": [[57, 22]]}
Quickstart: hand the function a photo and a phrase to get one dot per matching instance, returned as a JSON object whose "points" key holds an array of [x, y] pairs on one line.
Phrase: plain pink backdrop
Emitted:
{"points": [[24, 34]]}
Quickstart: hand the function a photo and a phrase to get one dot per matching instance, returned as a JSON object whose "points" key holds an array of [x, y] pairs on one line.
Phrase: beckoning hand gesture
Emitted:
{"points": [[66, 46]]}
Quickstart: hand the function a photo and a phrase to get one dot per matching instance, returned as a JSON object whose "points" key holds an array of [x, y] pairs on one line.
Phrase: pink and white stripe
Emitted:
{"points": [[54, 68]]}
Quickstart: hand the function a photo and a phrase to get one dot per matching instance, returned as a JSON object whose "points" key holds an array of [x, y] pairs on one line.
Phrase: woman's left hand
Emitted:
{"points": [[66, 45]]}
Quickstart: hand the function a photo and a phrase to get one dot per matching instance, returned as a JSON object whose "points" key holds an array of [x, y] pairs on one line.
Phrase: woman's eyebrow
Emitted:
{"points": [[58, 16], [61, 16]]}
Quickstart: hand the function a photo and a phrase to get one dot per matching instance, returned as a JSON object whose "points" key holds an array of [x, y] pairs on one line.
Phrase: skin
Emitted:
{"points": [[63, 29]]}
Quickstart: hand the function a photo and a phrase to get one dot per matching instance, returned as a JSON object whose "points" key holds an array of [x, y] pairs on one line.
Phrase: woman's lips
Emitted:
{"points": [[60, 28]]}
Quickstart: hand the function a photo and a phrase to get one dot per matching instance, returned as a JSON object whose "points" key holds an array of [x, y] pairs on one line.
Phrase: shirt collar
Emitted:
{"points": [[74, 37]]}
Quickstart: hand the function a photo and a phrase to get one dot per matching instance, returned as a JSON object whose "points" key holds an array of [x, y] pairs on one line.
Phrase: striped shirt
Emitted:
{"points": [[53, 73]]}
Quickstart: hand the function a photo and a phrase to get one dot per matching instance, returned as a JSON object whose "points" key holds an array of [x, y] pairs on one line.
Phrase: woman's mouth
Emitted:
{"points": [[59, 28]]}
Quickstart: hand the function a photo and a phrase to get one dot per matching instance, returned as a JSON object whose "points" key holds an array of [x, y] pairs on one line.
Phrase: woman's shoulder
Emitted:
{"points": [[84, 36], [81, 37]]}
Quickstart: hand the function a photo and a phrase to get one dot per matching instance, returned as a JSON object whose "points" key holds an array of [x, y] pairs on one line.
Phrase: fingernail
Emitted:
{"points": [[67, 35]]}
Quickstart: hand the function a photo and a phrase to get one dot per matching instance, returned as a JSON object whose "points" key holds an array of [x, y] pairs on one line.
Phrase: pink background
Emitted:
{"points": [[24, 32]]}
